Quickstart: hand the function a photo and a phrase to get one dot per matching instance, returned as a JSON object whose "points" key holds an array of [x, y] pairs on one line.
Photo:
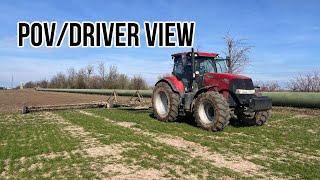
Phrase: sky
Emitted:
{"points": [[284, 34]]}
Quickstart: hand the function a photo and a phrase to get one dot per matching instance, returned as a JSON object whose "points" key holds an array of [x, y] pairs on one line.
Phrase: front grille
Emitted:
{"points": [[238, 99], [241, 84]]}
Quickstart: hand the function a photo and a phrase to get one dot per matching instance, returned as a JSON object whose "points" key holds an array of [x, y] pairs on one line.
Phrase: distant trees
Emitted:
{"points": [[237, 50], [86, 78], [137, 82], [309, 82], [268, 86]]}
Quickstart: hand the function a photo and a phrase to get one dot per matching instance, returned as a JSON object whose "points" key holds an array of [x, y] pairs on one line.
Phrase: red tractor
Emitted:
{"points": [[200, 85]]}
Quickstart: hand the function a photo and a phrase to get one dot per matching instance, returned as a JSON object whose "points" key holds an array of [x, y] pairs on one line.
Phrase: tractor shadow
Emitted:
{"points": [[188, 119], [239, 123]]}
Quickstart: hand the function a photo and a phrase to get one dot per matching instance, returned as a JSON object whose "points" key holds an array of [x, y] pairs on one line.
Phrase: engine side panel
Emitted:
{"points": [[219, 84]]}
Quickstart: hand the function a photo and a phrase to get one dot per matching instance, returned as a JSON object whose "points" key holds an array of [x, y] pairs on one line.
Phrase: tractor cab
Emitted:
{"points": [[186, 69]]}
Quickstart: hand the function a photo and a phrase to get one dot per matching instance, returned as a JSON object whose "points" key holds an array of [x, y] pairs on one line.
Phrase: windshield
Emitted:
{"points": [[221, 65], [206, 65]]}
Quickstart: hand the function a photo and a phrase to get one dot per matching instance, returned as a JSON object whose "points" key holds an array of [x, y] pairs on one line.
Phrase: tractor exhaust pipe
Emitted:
{"points": [[193, 68], [193, 63]]}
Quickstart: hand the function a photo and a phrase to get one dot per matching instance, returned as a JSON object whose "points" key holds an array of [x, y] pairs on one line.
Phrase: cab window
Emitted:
{"points": [[178, 68], [206, 66], [221, 66]]}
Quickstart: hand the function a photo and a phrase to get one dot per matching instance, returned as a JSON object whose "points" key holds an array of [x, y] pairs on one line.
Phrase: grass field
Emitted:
{"points": [[121, 144]]}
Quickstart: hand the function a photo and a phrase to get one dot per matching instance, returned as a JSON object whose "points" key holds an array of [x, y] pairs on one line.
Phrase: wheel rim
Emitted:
{"points": [[162, 103], [206, 112]]}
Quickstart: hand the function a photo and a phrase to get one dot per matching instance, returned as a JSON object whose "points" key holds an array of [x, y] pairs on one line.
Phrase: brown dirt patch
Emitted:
{"points": [[102, 151], [234, 163], [120, 171], [13, 100], [87, 140]]}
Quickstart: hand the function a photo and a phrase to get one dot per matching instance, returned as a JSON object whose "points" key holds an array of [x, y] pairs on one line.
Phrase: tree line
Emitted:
{"points": [[308, 82], [91, 77]]}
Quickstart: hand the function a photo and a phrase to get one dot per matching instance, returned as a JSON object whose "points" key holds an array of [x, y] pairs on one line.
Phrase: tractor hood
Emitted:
{"points": [[225, 81], [227, 76]]}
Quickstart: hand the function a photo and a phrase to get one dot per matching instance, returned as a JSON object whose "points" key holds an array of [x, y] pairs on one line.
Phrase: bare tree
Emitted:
{"points": [[29, 84], [71, 73], [58, 81], [81, 79], [309, 82], [102, 70], [268, 86], [237, 50], [86, 78], [89, 70], [102, 75], [137, 82], [112, 77], [123, 82], [43, 83]]}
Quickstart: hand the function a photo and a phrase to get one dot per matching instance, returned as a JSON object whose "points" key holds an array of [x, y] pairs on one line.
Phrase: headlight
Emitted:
{"points": [[245, 91]]}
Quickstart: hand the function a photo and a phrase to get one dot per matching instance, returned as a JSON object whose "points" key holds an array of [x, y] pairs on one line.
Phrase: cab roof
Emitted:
{"points": [[197, 54]]}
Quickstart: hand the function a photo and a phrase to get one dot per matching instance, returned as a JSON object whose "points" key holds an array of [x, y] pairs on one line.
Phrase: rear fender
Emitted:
{"points": [[176, 85]]}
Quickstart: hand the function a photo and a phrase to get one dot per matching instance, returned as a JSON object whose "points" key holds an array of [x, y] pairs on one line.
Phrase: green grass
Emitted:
{"points": [[142, 150], [58, 168], [30, 135], [287, 146], [284, 136]]}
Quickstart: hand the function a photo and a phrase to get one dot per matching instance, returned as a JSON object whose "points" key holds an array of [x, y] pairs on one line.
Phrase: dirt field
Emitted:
{"points": [[13, 100]]}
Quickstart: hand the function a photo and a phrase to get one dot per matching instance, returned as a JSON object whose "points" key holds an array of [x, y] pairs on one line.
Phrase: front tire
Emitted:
{"points": [[211, 111], [165, 103]]}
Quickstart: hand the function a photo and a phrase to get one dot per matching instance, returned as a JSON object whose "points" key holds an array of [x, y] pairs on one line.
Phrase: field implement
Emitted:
{"points": [[135, 102]]}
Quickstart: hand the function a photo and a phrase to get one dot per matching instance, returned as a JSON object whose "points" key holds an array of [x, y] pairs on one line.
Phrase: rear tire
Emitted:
{"points": [[211, 111], [165, 103]]}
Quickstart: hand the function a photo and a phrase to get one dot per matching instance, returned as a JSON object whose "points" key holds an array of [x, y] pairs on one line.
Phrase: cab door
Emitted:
{"points": [[199, 74]]}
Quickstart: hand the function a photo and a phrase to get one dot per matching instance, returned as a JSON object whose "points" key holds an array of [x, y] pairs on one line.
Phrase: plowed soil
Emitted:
{"points": [[13, 100]]}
